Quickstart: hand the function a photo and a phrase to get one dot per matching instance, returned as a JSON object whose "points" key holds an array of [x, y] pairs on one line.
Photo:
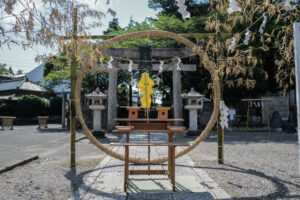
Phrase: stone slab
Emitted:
{"points": [[106, 181]]}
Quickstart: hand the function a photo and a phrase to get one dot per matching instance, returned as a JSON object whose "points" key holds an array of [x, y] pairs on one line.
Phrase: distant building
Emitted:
{"points": [[37, 74], [5, 77], [11, 90]]}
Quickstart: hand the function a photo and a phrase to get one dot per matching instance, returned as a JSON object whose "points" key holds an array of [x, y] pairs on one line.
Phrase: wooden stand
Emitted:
{"points": [[133, 112], [163, 113], [160, 125], [171, 162]]}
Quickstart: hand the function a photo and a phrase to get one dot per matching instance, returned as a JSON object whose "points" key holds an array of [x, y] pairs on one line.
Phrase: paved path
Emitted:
{"points": [[28, 141], [106, 181]]}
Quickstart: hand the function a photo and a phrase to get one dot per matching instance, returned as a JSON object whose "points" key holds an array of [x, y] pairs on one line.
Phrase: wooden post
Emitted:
{"points": [[220, 130], [297, 72], [63, 113], [73, 80], [267, 114], [248, 115]]}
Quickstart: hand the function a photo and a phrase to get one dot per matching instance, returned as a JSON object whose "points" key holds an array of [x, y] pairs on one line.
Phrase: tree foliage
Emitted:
{"points": [[3, 69]]}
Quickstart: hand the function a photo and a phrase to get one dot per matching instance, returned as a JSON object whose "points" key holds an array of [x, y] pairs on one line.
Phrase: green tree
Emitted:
{"points": [[20, 71], [3, 69], [11, 71]]}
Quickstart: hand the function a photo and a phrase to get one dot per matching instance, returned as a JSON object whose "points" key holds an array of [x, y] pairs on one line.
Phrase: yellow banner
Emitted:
{"points": [[146, 84]]}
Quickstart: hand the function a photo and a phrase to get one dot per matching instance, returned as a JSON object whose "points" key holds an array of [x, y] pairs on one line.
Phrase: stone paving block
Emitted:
{"points": [[111, 183], [193, 196], [150, 197], [188, 184], [98, 195], [149, 184]]}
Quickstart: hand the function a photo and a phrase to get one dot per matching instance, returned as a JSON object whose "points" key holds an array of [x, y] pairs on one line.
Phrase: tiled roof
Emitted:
{"points": [[10, 84], [22, 84], [36, 75]]}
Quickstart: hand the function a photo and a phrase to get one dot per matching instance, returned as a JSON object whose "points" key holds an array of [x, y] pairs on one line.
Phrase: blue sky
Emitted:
{"points": [[17, 58]]}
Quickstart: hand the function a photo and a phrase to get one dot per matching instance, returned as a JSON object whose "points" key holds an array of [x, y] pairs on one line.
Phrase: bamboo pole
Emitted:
{"points": [[220, 130], [147, 111], [73, 81]]}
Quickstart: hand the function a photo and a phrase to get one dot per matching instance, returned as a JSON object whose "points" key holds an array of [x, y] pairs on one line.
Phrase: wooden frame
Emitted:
{"points": [[171, 162], [170, 130]]}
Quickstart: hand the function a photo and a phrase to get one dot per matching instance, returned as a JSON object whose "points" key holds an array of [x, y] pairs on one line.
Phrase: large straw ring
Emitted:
{"points": [[209, 65]]}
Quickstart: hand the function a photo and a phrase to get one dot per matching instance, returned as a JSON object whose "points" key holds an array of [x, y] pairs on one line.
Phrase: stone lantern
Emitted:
{"points": [[97, 107], [193, 100]]}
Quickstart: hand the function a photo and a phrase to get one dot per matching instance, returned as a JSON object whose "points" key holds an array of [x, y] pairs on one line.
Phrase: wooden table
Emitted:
{"points": [[142, 127], [171, 162]]}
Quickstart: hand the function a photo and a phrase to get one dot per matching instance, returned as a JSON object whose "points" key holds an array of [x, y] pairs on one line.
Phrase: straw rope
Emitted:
{"points": [[209, 65]]}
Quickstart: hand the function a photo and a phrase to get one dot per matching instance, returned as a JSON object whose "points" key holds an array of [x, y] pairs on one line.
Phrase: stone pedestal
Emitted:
{"points": [[193, 119], [194, 98], [97, 109]]}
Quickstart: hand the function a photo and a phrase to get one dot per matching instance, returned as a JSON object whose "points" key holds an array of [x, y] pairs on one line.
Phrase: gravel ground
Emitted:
{"points": [[43, 179], [258, 165], [50, 177]]}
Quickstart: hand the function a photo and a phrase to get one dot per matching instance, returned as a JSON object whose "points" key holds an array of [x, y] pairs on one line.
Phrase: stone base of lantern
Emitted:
{"points": [[99, 134]]}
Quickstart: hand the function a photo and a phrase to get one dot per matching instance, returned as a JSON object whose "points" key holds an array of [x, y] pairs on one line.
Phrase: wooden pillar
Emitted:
{"points": [[112, 99], [177, 98], [63, 113], [73, 81]]}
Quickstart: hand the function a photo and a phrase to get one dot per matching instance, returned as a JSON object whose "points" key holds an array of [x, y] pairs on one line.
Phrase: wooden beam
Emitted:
{"points": [[156, 52], [166, 67], [191, 35]]}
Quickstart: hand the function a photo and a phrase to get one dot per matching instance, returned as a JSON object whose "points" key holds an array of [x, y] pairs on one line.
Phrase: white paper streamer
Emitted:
{"points": [[131, 81], [160, 68], [262, 26], [224, 113], [130, 66], [233, 43], [287, 4], [233, 7], [247, 37], [110, 63], [112, 12], [182, 9], [178, 64]]}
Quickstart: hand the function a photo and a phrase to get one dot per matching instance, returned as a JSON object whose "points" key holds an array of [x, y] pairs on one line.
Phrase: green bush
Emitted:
{"points": [[55, 105], [31, 106]]}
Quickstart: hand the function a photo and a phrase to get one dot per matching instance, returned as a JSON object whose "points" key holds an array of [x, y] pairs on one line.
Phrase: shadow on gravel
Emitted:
{"points": [[52, 130], [248, 137], [76, 181], [280, 185]]}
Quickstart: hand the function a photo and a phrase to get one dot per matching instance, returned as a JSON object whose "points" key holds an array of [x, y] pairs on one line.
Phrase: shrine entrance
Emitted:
{"points": [[158, 53]]}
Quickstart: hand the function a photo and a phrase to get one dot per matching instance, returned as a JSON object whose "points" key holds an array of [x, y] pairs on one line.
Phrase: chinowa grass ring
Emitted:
{"points": [[208, 64]]}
